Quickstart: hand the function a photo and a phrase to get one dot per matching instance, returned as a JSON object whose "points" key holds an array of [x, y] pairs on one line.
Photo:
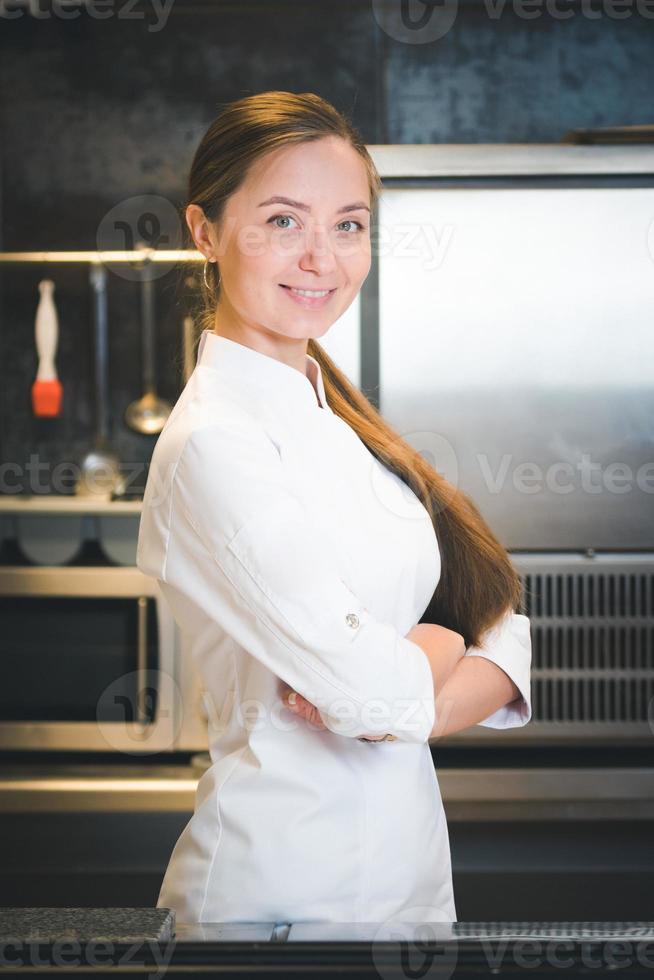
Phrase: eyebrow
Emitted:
{"points": [[277, 199]]}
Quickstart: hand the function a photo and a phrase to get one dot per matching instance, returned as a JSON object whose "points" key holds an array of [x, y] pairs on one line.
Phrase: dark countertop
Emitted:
{"points": [[381, 950], [52, 924]]}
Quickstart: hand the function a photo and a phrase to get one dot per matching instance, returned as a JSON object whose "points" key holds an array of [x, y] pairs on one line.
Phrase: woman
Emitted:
{"points": [[298, 540]]}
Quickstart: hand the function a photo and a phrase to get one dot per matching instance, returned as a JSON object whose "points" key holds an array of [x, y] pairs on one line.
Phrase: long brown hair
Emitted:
{"points": [[478, 583]]}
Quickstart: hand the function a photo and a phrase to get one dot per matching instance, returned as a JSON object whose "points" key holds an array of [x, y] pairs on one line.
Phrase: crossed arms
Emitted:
{"points": [[467, 689]]}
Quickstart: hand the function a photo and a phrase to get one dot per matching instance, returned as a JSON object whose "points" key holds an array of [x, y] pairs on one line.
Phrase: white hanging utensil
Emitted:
{"points": [[46, 389]]}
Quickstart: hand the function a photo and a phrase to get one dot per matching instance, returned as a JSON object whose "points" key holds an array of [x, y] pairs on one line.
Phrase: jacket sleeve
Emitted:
{"points": [[244, 548], [508, 644]]}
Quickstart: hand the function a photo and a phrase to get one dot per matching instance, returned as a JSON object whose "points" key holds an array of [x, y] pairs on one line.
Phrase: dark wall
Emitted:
{"points": [[96, 112]]}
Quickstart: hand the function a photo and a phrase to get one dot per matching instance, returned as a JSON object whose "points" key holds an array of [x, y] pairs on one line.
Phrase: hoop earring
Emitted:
{"points": [[204, 275]]}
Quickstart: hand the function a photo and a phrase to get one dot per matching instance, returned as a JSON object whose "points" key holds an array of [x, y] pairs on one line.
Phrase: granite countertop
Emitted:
{"points": [[51, 924]]}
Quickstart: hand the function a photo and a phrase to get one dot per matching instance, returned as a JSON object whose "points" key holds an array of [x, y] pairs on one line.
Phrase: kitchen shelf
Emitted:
{"points": [[67, 504], [101, 257]]}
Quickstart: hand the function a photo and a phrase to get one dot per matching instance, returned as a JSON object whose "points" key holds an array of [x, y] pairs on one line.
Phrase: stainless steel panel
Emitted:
{"points": [[52, 791], [516, 353], [468, 794]]}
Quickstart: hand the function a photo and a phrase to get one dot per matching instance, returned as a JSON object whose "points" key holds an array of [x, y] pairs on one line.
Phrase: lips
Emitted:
{"points": [[307, 288], [308, 302]]}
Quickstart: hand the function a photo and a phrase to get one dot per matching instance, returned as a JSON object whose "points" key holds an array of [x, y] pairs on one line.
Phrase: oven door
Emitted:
{"points": [[88, 661]]}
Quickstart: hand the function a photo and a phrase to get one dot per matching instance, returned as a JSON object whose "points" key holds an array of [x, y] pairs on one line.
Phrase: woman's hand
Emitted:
{"points": [[300, 706]]}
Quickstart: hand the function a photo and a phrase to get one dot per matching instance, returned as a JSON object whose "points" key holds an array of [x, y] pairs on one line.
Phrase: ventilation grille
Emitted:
{"points": [[592, 645], [590, 594]]}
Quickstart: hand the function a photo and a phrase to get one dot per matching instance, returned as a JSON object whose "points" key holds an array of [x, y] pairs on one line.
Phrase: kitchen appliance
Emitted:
{"points": [[91, 657]]}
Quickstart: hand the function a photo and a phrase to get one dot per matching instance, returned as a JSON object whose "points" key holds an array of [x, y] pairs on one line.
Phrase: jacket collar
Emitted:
{"points": [[267, 376]]}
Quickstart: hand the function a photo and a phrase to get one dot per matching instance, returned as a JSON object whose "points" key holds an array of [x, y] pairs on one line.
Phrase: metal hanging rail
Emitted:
{"points": [[122, 255]]}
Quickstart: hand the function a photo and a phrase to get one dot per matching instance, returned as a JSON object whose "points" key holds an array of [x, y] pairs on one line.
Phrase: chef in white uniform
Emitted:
{"points": [[293, 558]]}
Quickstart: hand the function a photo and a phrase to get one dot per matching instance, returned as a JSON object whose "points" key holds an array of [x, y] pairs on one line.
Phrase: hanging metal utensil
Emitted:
{"points": [[148, 414], [100, 468]]}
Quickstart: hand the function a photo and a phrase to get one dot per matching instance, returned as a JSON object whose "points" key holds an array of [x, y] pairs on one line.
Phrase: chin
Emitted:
{"points": [[317, 334]]}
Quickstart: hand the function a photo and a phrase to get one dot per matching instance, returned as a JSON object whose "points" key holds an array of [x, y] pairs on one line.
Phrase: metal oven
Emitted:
{"points": [[88, 661]]}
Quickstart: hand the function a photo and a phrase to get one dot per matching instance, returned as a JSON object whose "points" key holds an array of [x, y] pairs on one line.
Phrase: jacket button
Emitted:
{"points": [[352, 620]]}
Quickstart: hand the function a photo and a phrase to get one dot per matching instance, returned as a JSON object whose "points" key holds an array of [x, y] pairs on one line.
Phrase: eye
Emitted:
{"points": [[350, 221], [281, 217]]}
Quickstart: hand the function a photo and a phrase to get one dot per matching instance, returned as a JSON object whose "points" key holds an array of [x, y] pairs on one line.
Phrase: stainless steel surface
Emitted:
{"points": [[548, 794], [508, 159], [225, 932], [65, 504], [486, 794], [100, 580], [74, 788], [516, 350]]}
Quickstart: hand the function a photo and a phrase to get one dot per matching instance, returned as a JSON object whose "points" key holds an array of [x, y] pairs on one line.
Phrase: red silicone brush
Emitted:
{"points": [[46, 390]]}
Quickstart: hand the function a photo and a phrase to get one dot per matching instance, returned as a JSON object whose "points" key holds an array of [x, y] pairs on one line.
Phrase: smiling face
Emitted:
{"points": [[299, 222]]}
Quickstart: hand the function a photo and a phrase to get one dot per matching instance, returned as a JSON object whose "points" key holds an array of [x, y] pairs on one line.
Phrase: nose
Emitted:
{"points": [[318, 255]]}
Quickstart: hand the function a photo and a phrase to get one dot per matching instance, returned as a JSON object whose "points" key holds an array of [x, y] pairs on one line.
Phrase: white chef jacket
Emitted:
{"points": [[293, 558]]}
